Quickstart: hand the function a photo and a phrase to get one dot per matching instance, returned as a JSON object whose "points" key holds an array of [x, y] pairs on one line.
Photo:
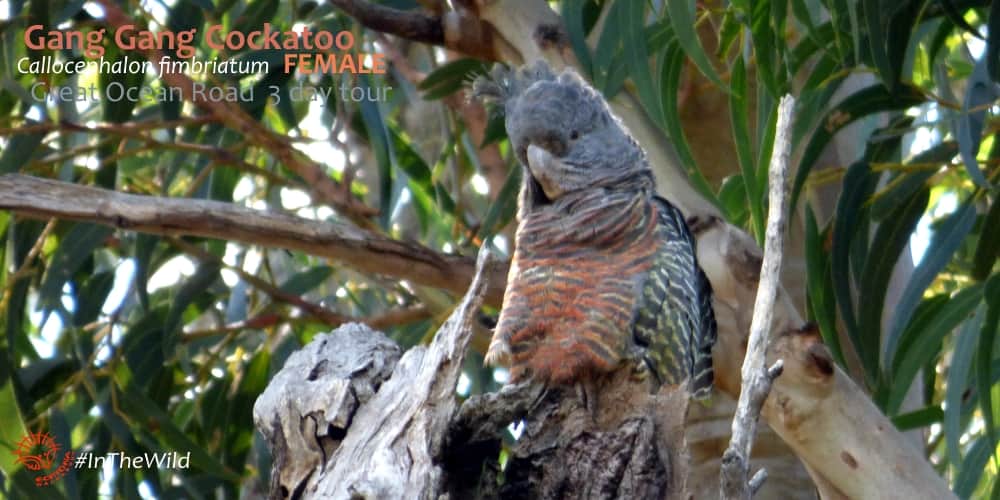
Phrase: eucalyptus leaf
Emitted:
{"points": [[959, 381], [980, 92], [682, 18], [943, 245]]}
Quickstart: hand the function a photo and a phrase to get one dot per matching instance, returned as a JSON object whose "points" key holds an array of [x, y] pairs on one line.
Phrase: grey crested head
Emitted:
{"points": [[563, 133]]}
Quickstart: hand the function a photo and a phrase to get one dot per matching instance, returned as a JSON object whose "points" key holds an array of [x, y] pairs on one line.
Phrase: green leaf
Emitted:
{"points": [[986, 370], [988, 248], [378, 139], [13, 428], [767, 124], [765, 45], [822, 43], [925, 343], [681, 15], [502, 210], [819, 284], [980, 91], [119, 110], [740, 121], [206, 274], [939, 252], [821, 73], [421, 204], [145, 245], [19, 150], [903, 186], [185, 15], [305, 281], [75, 248], [671, 63], [972, 468], [891, 238], [91, 297], [730, 33], [572, 16], [608, 45], [875, 20], [858, 183], [810, 109], [956, 17], [239, 428], [142, 345], [146, 411], [637, 57], [257, 12], [958, 382], [867, 101], [733, 197], [23, 234], [495, 130], [803, 14], [923, 417], [855, 27], [410, 162], [992, 53], [451, 77]]}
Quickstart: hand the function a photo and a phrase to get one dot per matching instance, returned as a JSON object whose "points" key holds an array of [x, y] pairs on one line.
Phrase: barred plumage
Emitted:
{"points": [[571, 294], [675, 320], [604, 272]]}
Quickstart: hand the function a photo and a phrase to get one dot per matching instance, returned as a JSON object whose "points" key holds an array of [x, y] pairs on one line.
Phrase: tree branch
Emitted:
{"points": [[362, 250], [458, 30], [413, 25], [757, 378]]}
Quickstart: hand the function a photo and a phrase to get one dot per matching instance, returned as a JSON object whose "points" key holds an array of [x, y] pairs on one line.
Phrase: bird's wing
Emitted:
{"points": [[674, 322]]}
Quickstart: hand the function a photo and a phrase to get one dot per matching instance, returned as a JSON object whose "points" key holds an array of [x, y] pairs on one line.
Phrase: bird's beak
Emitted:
{"points": [[544, 167]]}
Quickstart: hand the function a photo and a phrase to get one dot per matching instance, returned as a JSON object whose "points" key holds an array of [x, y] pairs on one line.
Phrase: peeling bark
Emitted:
{"points": [[310, 404]]}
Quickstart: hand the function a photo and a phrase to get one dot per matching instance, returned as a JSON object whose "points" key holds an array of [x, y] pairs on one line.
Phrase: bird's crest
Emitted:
{"points": [[503, 83]]}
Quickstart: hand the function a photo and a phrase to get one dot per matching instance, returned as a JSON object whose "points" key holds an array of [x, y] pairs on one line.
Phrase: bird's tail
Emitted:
{"points": [[702, 374]]}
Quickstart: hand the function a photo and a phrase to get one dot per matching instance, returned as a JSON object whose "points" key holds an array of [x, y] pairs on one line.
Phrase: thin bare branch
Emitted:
{"points": [[137, 131], [757, 378], [320, 313], [395, 317]]}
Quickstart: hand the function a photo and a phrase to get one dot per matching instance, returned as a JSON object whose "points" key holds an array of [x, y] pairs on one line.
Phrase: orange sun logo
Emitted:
{"points": [[38, 452]]}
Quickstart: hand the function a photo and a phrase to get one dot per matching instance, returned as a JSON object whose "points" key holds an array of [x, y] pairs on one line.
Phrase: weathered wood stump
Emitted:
{"points": [[347, 417]]}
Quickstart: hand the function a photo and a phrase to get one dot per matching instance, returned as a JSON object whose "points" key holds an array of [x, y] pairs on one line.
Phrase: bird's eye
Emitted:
{"points": [[574, 135]]}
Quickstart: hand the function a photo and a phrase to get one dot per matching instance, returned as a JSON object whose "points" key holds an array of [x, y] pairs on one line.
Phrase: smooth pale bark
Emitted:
{"points": [[757, 378]]}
